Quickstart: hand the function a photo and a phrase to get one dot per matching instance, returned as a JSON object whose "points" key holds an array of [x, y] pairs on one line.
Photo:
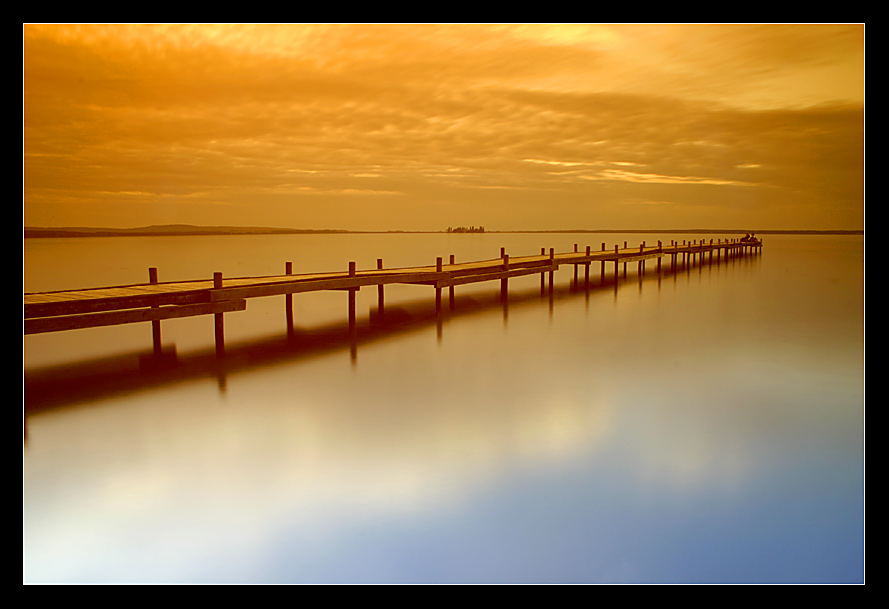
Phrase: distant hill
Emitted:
{"points": [[165, 229]]}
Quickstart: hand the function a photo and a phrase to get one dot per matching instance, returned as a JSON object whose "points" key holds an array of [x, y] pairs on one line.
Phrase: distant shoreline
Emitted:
{"points": [[191, 231]]}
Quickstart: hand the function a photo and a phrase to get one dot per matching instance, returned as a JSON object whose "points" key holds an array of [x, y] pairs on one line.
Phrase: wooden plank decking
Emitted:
{"points": [[155, 301]]}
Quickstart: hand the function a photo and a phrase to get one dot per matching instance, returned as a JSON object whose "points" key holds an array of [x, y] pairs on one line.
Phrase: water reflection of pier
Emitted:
{"points": [[152, 302], [155, 301]]}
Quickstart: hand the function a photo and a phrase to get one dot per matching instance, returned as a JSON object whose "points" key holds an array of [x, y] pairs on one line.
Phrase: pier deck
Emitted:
{"points": [[155, 301]]}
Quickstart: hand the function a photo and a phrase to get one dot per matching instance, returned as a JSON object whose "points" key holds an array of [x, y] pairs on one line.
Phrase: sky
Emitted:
{"points": [[425, 126]]}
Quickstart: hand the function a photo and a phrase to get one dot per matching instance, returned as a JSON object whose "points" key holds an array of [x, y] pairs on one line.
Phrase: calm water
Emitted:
{"points": [[698, 426]]}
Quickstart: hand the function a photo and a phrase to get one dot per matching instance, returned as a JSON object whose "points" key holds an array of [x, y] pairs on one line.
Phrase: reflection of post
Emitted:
{"points": [[155, 323], [288, 304], [219, 328]]}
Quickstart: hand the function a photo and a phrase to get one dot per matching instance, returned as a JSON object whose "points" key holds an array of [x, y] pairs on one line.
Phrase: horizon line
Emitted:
{"points": [[194, 229]]}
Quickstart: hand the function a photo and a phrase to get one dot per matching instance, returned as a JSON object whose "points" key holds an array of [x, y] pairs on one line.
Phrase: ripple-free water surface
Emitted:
{"points": [[698, 426]]}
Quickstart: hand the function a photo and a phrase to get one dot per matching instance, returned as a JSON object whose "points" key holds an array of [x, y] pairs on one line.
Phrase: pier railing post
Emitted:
{"points": [[504, 282], [552, 259], [156, 323], [543, 274], [451, 287], [575, 267], [602, 268], [218, 322], [380, 298], [625, 264], [352, 299], [438, 289], [288, 302], [660, 249]]}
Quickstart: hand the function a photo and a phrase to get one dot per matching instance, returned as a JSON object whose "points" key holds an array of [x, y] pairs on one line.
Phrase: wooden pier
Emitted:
{"points": [[155, 301]]}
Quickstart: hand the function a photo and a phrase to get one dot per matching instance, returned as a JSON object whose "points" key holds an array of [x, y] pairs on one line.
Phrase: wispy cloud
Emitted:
{"points": [[653, 178], [444, 113]]}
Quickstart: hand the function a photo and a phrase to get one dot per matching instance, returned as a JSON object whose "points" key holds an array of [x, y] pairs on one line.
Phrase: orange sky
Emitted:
{"points": [[421, 127]]}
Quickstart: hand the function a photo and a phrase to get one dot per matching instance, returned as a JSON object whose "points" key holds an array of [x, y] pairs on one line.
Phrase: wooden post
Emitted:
{"points": [[616, 264], [219, 327], [552, 256], [380, 299], [438, 289], [659, 247], [586, 270], [602, 270], [353, 328], [288, 302], [504, 283], [542, 275], [156, 323], [451, 289], [352, 299], [575, 267]]}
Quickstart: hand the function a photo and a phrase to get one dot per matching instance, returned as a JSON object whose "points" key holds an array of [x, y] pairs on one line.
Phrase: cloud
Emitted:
{"points": [[629, 176], [436, 111]]}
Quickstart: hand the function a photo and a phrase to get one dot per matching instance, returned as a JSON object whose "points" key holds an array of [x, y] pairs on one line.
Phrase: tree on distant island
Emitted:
{"points": [[463, 229]]}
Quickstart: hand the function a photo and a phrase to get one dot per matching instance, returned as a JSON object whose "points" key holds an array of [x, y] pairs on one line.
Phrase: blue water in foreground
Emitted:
{"points": [[703, 426]]}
